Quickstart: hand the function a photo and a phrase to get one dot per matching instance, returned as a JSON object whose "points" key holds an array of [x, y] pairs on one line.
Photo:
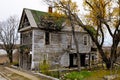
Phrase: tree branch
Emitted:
{"points": [[102, 34], [117, 27], [108, 27], [89, 4]]}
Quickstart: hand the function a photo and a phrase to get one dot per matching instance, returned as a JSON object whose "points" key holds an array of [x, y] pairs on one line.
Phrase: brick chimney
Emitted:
{"points": [[50, 9]]}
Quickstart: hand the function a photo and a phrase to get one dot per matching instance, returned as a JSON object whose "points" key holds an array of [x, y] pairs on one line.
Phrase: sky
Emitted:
{"points": [[15, 7]]}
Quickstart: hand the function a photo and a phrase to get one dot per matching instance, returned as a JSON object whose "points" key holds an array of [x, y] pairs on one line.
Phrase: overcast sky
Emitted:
{"points": [[15, 7]]}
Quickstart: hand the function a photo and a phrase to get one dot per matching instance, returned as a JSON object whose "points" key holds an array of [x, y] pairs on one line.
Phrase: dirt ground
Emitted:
{"points": [[10, 74], [13, 76]]}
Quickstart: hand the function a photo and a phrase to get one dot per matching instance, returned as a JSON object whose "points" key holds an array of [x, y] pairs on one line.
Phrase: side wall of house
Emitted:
{"points": [[56, 51]]}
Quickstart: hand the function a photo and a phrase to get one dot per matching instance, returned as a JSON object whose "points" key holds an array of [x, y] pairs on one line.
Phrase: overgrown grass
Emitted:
{"points": [[77, 75], [55, 74], [100, 73], [91, 75]]}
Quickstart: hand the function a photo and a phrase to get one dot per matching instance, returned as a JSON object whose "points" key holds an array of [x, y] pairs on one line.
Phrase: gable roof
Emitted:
{"points": [[33, 17], [30, 17]]}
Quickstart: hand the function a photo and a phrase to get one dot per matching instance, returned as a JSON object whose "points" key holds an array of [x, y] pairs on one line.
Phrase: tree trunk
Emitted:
{"points": [[75, 40], [104, 58], [10, 56], [113, 55], [77, 48]]}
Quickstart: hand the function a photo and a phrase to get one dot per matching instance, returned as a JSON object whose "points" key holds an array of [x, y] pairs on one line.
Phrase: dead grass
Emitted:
{"points": [[11, 75], [99, 74], [17, 77]]}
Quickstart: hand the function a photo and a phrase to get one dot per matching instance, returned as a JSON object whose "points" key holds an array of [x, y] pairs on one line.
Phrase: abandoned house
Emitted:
{"points": [[57, 47]]}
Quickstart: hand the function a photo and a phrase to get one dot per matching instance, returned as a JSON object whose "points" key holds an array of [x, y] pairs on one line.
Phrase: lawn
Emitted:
{"points": [[77, 75], [90, 74], [99, 74]]}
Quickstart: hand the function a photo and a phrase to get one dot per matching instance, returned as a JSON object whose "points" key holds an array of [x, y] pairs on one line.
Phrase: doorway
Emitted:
{"points": [[73, 60]]}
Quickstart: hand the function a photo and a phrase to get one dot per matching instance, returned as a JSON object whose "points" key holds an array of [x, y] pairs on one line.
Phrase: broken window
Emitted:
{"points": [[85, 40], [47, 37]]}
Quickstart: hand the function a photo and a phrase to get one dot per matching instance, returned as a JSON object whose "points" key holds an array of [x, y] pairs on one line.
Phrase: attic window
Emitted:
{"points": [[47, 37], [26, 22]]}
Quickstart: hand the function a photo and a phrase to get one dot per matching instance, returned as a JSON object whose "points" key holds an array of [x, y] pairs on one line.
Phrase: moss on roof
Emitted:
{"points": [[37, 15], [58, 19]]}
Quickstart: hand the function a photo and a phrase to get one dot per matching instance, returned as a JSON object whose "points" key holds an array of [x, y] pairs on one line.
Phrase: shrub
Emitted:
{"points": [[44, 67]]}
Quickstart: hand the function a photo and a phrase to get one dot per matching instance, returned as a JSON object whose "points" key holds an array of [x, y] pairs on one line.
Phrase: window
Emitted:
{"points": [[21, 38], [47, 37], [85, 40], [25, 22]]}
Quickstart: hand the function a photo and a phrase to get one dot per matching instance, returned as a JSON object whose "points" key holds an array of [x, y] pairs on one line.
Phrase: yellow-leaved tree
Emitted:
{"points": [[104, 15], [101, 15]]}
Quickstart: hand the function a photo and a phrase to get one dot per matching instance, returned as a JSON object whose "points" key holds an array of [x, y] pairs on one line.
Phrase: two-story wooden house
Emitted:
{"points": [[55, 47]]}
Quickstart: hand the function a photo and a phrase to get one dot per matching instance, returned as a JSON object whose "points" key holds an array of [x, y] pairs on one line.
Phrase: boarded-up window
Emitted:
{"points": [[55, 38]]}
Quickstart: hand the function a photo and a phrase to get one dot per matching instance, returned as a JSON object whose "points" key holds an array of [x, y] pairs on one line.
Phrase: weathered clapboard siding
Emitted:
{"points": [[59, 42]]}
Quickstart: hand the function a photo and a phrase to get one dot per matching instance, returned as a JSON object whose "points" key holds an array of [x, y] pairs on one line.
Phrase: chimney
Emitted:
{"points": [[50, 9]]}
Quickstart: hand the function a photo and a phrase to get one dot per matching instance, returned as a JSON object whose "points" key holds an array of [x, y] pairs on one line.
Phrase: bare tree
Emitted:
{"points": [[9, 35]]}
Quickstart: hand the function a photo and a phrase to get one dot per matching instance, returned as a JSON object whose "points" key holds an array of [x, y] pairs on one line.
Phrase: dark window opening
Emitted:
{"points": [[47, 41], [85, 40], [26, 22], [73, 59], [21, 37]]}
